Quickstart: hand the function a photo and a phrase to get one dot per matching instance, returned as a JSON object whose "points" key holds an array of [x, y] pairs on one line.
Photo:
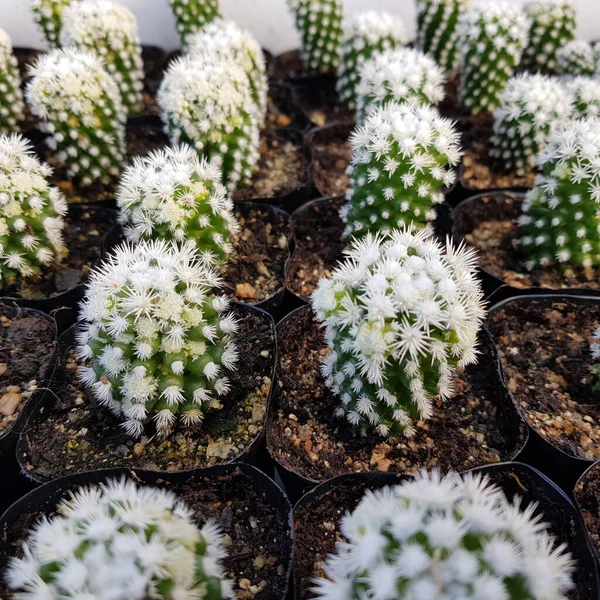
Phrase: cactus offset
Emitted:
{"points": [[48, 15], [12, 107], [577, 58], [192, 15]]}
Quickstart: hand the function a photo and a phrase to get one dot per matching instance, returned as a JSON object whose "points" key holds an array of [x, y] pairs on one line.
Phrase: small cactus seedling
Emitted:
{"points": [[209, 107], [560, 221], [533, 107], [577, 58], [81, 108], [122, 542], [11, 97], [401, 158], [585, 97], [370, 33], [48, 15], [110, 31], [401, 313], [193, 15], [453, 537], [173, 195], [492, 37], [595, 351], [31, 213], [437, 29], [158, 340], [320, 25], [403, 75]]}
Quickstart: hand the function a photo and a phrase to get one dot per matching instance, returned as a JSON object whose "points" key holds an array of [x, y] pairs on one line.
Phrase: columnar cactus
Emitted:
{"points": [[553, 24], [437, 29], [401, 158], [492, 37], [158, 340], [175, 196], [31, 213], [109, 30], [48, 15], [585, 97], [449, 537], [192, 15], [11, 97], [403, 75], [401, 313], [123, 542], [82, 110], [320, 25], [561, 220], [577, 58], [370, 33], [533, 107], [209, 107]]}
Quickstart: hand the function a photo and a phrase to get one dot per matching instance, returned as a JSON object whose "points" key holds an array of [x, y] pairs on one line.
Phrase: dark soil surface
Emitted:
{"points": [[332, 154], [322, 105], [290, 64], [281, 110], [587, 495]]}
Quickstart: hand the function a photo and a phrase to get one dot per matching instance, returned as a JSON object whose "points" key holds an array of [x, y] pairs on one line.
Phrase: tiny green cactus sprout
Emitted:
{"points": [[492, 37], [80, 105], [533, 107], [209, 107], [577, 58], [31, 213], [437, 29], [48, 15], [120, 541], [320, 25], [585, 97], [553, 24], [401, 313], [560, 223], [173, 195], [158, 340], [193, 15], [452, 537], [595, 351], [110, 31], [371, 32], [12, 106], [401, 158]]}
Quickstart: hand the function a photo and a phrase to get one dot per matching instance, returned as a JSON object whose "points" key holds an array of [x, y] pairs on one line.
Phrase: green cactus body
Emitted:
{"points": [[561, 219], [577, 58], [320, 25], [492, 37], [585, 97], [533, 107], [31, 213], [80, 105], [12, 106], [401, 158], [553, 25], [437, 29], [370, 33], [48, 15], [192, 15]]}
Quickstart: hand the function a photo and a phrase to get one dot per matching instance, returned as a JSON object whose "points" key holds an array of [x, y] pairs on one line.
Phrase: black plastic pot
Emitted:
{"points": [[321, 104], [588, 501], [283, 107]]}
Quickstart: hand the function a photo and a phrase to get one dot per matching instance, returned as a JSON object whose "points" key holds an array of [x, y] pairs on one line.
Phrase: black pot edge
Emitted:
{"points": [[582, 479]]}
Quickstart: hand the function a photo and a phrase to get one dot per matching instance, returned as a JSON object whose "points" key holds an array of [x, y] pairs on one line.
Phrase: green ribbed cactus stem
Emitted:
{"points": [[192, 15], [12, 107], [48, 15], [578, 58], [585, 97]]}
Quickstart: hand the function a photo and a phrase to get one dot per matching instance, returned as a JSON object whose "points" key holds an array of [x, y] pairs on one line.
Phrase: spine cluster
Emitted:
{"points": [[11, 97], [585, 97], [192, 15], [48, 15], [577, 58]]}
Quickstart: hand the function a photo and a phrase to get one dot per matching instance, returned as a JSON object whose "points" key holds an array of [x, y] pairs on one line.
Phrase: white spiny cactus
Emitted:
{"points": [[577, 58], [585, 96], [48, 15], [12, 106]]}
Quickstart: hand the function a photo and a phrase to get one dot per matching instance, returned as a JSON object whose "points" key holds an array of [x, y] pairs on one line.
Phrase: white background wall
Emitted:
{"points": [[269, 20]]}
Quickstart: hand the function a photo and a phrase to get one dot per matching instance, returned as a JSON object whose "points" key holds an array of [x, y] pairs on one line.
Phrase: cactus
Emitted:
{"points": [[577, 58], [110, 31], [370, 33], [158, 340], [192, 15], [533, 107], [81, 108], [175, 196], [401, 313], [122, 542], [437, 29], [11, 97], [320, 25], [492, 37], [401, 158], [48, 15], [595, 352], [209, 107], [403, 75], [31, 213], [560, 221], [585, 97], [453, 537]]}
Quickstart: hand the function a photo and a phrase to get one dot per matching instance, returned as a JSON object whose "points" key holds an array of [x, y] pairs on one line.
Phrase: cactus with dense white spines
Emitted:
{"points": [[48, 15], [12, 107], [577, 58], [585, 96], [193, 15]]}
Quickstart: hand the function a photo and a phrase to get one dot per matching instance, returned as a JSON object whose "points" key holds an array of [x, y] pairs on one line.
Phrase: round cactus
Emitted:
{"points": [[12, 106], [403, 75], [452, 537], [561, 221], [577, 58], [109, 30], [192, 15], [370, 33], [158, 340], [48, 15], [31, 213], [533, 107], [585, 97], [81, 107], [492, 37], [175, 196], [401, 158], [320, 25], [437, 29], [209, 107], [401, 313], [122, 542]]}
